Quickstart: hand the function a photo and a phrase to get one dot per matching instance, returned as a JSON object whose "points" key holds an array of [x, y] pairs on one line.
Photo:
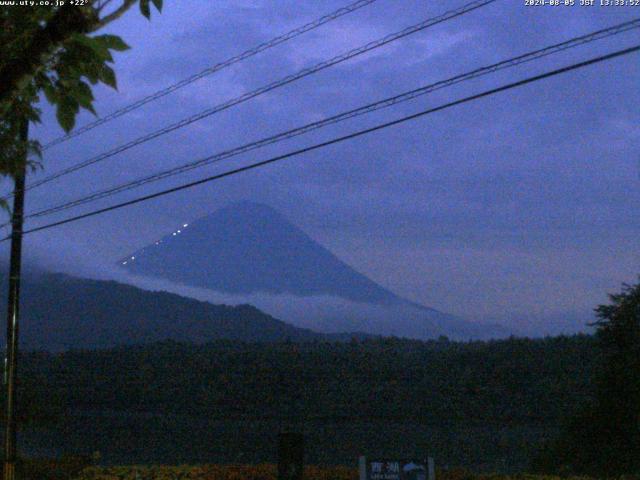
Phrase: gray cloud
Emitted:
{"points": [[524, 202]]}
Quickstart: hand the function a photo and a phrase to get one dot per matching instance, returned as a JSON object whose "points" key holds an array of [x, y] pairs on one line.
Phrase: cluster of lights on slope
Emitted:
{"points": [[177, 232]]}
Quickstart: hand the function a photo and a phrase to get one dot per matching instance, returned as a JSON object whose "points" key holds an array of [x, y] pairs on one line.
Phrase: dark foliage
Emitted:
{"points": [[514, 381], [51, 49], [482, 405], [604, 438]]}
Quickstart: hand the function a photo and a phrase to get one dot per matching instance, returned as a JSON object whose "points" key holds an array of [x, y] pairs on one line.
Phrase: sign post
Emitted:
{"points": [[395, 469], [431, 468]]}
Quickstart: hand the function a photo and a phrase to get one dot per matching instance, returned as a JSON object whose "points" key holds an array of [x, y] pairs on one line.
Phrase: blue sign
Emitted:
{"points": [[394, 469]]}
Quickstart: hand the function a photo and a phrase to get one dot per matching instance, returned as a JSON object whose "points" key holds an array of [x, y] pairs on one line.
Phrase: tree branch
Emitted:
{"points": [[66, 22], [121, 10]]}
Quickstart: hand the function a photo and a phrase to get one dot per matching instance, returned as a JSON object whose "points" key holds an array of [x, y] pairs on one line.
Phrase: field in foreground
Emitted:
{"points": [[268, 472], [484, 406], [211, 472]]}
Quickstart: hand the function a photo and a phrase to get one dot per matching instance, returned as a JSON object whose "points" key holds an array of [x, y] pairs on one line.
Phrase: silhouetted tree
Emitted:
{"points": [[604, 438], [53, 50]]}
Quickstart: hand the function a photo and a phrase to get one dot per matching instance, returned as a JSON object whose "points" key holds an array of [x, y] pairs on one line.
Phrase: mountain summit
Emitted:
{"points": [[254, 253], [249, 247]]}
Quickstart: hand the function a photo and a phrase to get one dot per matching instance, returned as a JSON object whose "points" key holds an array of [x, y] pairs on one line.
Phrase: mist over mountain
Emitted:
{"points": [[253, 253], [59, 312]]}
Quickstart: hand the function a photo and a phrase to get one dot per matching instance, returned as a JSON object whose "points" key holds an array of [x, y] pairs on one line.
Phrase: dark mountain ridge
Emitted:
{"points": [[60, 312]]}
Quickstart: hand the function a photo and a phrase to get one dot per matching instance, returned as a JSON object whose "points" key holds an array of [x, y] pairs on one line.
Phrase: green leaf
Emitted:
{"points": [[158, 4], [90, 109], [112, 42], [91, 72], [34, 149], [84, 96], [66, 114], [34, 115], [83, 93], [144, 8], [87, 49], [50, 92], [108, 76]]}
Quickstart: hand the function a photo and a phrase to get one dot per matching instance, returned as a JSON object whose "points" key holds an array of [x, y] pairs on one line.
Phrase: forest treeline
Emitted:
{"points": [[514, 381]]}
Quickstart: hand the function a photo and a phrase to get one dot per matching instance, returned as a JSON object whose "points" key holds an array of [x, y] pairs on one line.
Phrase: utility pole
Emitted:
{"points": [[13, 310]]}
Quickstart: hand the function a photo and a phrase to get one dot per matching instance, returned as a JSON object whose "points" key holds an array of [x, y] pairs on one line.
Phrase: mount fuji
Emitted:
{"points": [[249, 253]]}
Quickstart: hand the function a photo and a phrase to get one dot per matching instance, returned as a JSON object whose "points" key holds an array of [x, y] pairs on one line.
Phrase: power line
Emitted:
{"points": [[272, 86], [267, 88], [213, 69], [359, 133], [381, 104]]}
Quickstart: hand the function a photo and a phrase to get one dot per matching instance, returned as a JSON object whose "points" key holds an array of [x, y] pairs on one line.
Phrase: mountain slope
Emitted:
{"points": [[249, 247], [60, 312], [250, 251]]}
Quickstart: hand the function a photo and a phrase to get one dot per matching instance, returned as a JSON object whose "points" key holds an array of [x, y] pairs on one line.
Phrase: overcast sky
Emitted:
{"points": [[519, 207]]}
